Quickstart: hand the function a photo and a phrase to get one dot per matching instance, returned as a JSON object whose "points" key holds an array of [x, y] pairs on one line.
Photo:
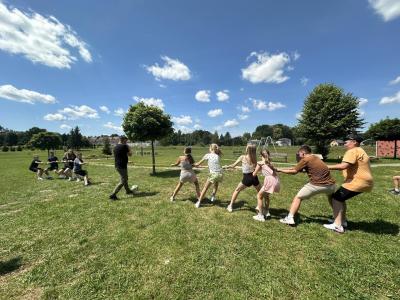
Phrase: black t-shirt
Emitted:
{"points": [[121, 156], [53, 162], [34, 165]]}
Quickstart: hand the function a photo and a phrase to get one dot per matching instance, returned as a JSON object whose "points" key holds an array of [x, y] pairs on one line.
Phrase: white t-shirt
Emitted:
{"points": [[213, 162]]}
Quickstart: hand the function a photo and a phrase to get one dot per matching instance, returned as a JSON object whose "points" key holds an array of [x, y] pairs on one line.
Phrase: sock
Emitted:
{"points": [[290, 215]]}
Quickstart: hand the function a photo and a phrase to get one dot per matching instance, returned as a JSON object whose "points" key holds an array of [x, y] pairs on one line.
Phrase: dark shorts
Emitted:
{"points": [[81, 172], [343, 194], [35, 169], [51, 168], [249, 180]]}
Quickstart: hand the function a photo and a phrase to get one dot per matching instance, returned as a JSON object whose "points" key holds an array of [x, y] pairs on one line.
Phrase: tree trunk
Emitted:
{"points": [[395, 149], [153, 158]]}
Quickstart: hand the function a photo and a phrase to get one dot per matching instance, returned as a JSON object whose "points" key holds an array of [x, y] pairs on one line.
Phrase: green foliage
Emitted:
{"points": [[107, 147], [5, 148], [45, 140], [19, 148], [329, 113], [12, 149], [385, 130]]}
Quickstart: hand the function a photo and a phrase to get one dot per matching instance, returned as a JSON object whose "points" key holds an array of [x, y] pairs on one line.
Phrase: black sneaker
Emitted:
{"points": [[394, 192], [113, 197]]}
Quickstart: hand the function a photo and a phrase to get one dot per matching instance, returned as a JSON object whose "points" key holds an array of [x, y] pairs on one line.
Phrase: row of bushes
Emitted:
{"points": [[7, 148]]}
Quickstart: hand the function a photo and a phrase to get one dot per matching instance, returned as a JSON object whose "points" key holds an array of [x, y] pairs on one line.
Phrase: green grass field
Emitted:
{"points": [[60, 239]]}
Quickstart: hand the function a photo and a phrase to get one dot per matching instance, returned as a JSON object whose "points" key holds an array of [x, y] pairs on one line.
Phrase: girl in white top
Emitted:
{"points": [[186, 162], [249, 162], [215, 176], [271, 185]]}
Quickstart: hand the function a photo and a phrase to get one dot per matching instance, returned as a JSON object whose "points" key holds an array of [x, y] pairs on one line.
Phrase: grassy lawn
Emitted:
{"points": [[60, 239]]}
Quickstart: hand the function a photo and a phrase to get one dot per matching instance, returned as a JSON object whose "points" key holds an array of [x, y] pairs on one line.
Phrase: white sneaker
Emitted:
{"points": [[134, 188], [259, 217], [212, 198], [335, 228], [267, 215], [197, 204], [78, 180], [172, 199], [40, 178], [288, 220], [229, 208], [344, 223], [70, 179]]}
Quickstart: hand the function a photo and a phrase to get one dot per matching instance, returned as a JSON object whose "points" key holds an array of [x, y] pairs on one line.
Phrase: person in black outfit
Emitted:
{"points": [[121, 153], [34, 167], [53, 162]]}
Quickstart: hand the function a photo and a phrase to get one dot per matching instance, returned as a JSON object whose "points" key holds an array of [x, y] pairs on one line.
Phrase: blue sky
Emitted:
{"points": [[212, 65]]}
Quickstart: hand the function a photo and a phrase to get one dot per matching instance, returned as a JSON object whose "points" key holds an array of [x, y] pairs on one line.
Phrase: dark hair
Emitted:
{"points": [[188, 153], [305, 148], [123, 138]]}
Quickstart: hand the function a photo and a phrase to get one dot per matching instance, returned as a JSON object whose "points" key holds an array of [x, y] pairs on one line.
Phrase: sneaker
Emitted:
{"points": [[229, 208], [134, 188], [394, 192], [197, 204], [78, 180], [259, 217], [335, 228], [267, 215], [344, 223], [113, 197], [288, 220], [40, 178], [212, 198], [70, 179], [172, 199]]}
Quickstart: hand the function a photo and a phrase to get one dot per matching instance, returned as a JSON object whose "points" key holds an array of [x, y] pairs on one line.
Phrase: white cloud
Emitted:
{"points": [[388, 9], [40, 39], [231, 123], [105, 109], [245, 109], [10, 92], [296, 55], [77, 112], [197, 126], [184, 129], [182, 120], [222, 95], [54, 117], [119, 112], [150, 101], [173, 69], [215, 113], [304, 81], [203, 96], [65, 126], [243, 117], [299, 115], [395, 81], [267, 68], [270, 106], [389, 100], [162, 86], [362, 101], [112, 126]]}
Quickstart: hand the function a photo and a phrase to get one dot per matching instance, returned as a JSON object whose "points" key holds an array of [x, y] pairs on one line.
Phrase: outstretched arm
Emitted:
{"points": [[290, 171], [258, 168], [176, 163], [199, 163], [235, 163], [342, 166]]}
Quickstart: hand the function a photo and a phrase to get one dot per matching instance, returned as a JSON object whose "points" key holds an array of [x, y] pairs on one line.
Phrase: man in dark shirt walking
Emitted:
{"points": [[121, 153]]}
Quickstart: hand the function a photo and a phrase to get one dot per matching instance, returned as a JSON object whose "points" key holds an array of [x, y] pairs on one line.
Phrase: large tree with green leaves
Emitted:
{"points": [[45, 141], [146, 123], [329, 113], [385, 130], [75, 139]]}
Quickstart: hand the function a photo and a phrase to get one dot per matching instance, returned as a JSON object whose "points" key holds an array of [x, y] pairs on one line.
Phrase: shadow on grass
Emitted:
{"points": [[376, 227], [170, 174], [142, 194], [10, 265]]}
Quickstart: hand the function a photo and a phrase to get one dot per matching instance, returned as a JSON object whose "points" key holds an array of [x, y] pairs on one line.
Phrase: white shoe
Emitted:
{"points": [[344, 223], [134, 188], [229, 208], [197, 204], [288, 220], [78, 180], [212, 198], [334, 227], [267, 215], [172, 199], [70, 179], [259, 217], [40, 178]]}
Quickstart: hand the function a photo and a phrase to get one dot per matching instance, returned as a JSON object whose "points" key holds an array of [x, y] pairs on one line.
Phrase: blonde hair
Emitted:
{"points": [[267, 158], [251, 156], [216, 149]]}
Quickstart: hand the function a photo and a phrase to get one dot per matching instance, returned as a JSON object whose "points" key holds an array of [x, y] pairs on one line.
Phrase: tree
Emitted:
{"points": [[329, 113], [144, 123], [11, 138], [75, 138], [215, 138], [227, 139], [262, 131], [107, 146], [246, 137], [386, 130], [45, 141]]}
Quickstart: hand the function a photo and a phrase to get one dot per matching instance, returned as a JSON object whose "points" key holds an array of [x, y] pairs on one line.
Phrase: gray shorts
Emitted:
{"points": [[187, 176], [310, 190]]}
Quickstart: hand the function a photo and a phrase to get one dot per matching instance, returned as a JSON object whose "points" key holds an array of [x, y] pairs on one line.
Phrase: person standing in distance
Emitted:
{"points": [[121, 153]]}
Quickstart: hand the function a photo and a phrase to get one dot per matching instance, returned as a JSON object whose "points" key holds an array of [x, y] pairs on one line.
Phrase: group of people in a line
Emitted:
{"points": [[72, 167]]}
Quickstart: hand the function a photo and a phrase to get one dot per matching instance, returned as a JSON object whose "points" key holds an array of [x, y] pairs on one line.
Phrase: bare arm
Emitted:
{"points": [[290, 171], [239, 160], [199, 163], [258, 168], [177, 162], [341, 166]]}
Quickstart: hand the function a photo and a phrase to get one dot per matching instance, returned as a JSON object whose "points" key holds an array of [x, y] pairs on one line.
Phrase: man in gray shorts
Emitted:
{"points": [[321, 181]]}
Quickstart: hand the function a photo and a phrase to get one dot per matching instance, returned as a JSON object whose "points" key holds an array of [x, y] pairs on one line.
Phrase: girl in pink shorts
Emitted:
{"points": [[271, 185]]}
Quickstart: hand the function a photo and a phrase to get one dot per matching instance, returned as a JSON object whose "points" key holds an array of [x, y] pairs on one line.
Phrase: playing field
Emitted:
{"points": [[60, 239]]}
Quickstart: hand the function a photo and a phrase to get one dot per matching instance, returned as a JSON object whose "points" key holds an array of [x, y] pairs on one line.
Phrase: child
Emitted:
{"points": [[249, 162], [78, 162], [68, 160], [215, 176], [34, 167], [53, 162], [186, 162], [271, 185]]}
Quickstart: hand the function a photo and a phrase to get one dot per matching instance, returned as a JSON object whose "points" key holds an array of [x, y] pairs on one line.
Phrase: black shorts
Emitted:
{"points": [[249, 180], [51, 168], [35, 169], [81, 172], [343, 194]]}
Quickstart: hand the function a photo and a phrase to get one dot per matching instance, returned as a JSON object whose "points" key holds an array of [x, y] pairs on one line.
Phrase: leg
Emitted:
{"points": [[295, 206], [178, 187], [215, 188], [196, 184], [338, 208], [267, 200], [396, 181], [260, 196], [204, 191], [236, 192], [123, 181], [39, 173]]}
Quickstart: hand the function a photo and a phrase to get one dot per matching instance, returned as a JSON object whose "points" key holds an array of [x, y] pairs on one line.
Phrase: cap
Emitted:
{"points": [[354, 137], [123, 137]]}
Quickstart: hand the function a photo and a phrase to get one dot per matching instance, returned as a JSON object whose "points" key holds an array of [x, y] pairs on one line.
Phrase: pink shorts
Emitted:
{"points": [[271, 185]]}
